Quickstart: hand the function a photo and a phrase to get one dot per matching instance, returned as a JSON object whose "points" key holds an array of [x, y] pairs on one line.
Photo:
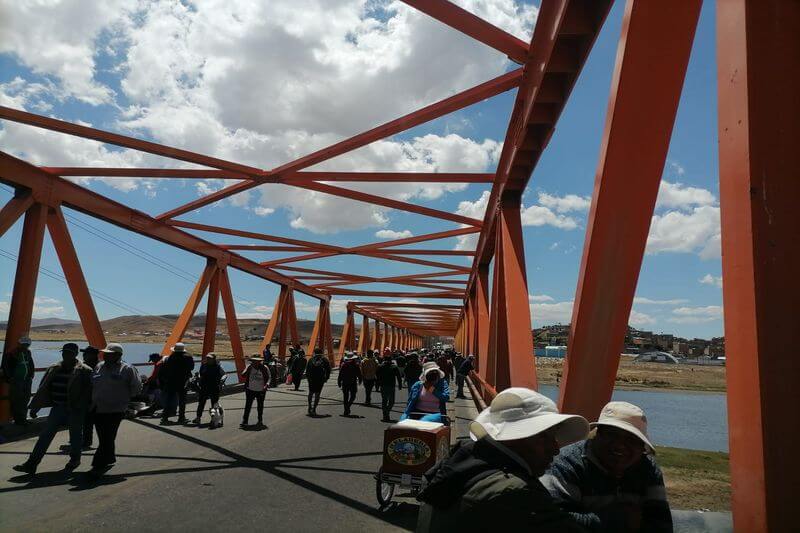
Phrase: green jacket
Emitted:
{"points": [[481, 489], [79, 388]]}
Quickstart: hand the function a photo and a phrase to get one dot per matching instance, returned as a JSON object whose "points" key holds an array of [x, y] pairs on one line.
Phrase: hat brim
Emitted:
{"points": [[109, 351], [568, 428], [630, 428]]}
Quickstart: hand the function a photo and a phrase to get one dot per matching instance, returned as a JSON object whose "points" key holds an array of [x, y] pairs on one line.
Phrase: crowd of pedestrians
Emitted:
{"points": [[537, 468]]}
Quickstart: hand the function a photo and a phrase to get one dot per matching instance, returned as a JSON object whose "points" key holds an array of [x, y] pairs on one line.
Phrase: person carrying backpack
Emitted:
{"points": [[387, 374], [317, 373], [298, 366]]}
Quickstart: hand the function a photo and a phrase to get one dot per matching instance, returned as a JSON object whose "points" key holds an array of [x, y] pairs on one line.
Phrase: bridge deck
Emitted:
{"points": [[301, 473]]}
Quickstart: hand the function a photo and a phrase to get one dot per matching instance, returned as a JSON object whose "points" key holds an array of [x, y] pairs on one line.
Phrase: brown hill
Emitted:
{"points": [[162, 324]]}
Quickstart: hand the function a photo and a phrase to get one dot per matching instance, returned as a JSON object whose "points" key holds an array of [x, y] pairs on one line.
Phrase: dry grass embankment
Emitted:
{"points": [[696, 479], [632, 375]]}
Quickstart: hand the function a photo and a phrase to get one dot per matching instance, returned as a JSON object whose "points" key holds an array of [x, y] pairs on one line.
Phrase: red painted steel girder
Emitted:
{"points": [[563, 29], [477, 28], [294, 178], [458, 101]]}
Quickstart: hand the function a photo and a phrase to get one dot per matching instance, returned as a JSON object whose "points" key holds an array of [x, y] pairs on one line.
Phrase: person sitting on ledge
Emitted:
{"points": [[611, 482]]}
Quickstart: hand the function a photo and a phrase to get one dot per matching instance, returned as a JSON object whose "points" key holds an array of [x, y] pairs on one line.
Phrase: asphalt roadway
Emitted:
{"points": [[299, 474]]}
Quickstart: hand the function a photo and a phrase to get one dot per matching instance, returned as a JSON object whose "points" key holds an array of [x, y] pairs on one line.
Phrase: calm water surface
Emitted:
{"points": [[680, 419]]}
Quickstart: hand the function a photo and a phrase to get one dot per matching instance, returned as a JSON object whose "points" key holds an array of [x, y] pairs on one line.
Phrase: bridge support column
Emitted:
{"points": [[363, 337], [646, 87], [212, 307], [482, 318], [346, 341], [758, 57], [27, 274], [274, 320], [511, 342], [62, 242], [231, 321]]}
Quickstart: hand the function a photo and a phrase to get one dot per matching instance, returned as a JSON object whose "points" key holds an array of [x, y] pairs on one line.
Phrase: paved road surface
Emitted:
{"points": [[299, 474]]}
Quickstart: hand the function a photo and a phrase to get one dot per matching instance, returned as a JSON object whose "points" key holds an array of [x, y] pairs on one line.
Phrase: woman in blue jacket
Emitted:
{"points": [[428, 395]]}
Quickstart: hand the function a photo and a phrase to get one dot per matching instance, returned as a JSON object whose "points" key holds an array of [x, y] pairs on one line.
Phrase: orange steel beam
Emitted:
{"points": [[189, 309], [462, 20], [293, 320], [387, 177], [347, 333], [646, 87], [296, 177], [364, 336], [252, 235], [511, 346], [421, 251], [458, 101], [212, 307], [116, 172], [374, 199], [328, 338], [353, 292], [232, 322], [86, 132], [22, 296], [316, 331], [272, 325], [70, 265], [263, 248], [758, 54], [14, 209], [406, 304], [419, 238], [18, 173], [562, 28], [482, 317]]}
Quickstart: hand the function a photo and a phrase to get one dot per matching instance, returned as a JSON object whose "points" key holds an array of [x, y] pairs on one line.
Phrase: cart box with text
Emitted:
{"points": [[412, 447]]}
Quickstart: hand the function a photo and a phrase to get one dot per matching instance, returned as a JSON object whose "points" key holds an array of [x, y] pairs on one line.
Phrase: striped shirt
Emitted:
{"points": [[581, 486]]}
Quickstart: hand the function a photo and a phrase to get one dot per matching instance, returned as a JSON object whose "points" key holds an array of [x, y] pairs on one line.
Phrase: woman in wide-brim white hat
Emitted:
{"points": [[427, 399]]}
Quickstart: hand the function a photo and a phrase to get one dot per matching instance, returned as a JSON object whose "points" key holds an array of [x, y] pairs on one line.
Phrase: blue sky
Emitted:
{"points": [[263, 85]]}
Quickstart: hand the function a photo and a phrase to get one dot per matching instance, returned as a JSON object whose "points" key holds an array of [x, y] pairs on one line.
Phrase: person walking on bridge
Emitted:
{"points": [[298, 366], [412, 370], [317, 373], [114, 383], [369, 368], [256, 377], [67, 389], [176, 370], [211, 374], [387, 375], [467, 366], [348, 380], [18, 370]]}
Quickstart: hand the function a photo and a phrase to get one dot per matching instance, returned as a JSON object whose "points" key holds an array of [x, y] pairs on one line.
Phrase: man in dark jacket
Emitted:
{"points": [[67, 389], [466, 366], [611, 482], [298, 366], [175, 372], [349, 379], [387, 374], [412, 370], [211, 374], [18, 369], [318, 371], [493, 483]]}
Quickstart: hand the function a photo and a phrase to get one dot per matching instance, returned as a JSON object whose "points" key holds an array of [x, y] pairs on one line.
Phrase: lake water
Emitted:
{"points": [[680, 419]]}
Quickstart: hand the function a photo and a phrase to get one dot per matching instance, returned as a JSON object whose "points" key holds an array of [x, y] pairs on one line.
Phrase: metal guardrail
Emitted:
{"points": [[482, 392]]}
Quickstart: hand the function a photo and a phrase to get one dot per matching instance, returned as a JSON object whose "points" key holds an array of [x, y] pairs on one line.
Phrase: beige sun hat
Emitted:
{"points": [[628, 417], [112, 347], [428, 367], [519, 413], [179, 347]]}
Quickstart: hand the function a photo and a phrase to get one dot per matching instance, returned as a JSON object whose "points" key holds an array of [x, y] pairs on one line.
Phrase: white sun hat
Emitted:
{"points": [[428, 367], [628, 417], [519, 413], [179, 347]]}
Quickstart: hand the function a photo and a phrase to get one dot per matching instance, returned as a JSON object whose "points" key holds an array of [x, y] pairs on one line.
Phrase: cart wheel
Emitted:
{"points": [[383, 490]]}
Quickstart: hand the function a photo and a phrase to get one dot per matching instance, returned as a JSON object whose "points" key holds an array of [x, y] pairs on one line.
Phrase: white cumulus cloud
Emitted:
{"points": [[708, 279], [696, 315], [696, 231], [565, 204], [393, 235]]}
